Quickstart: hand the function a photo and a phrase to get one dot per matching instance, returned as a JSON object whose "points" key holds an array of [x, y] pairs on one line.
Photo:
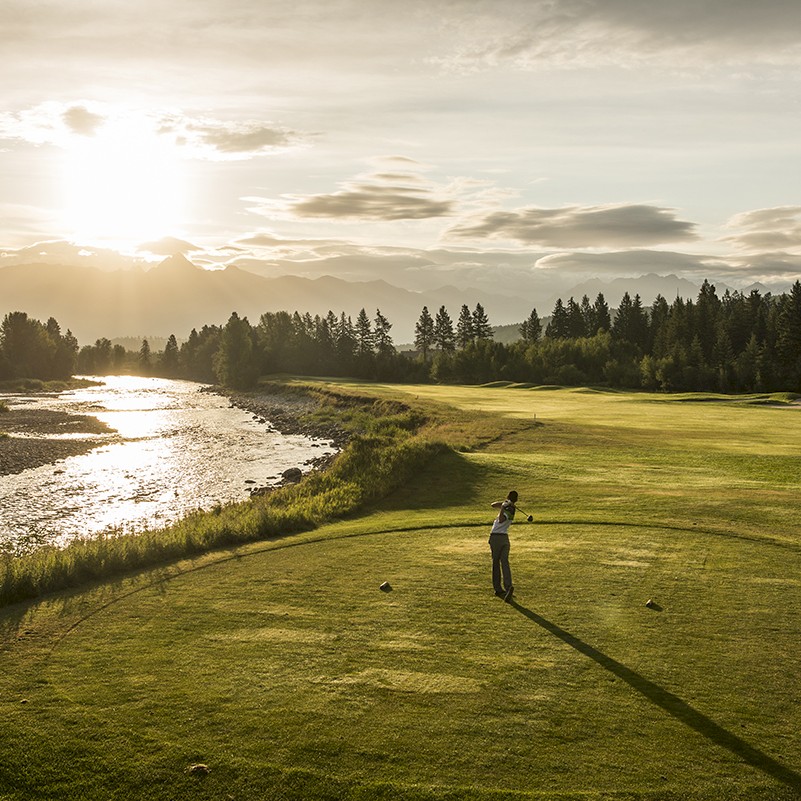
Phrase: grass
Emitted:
{"points": [[282, 667]]}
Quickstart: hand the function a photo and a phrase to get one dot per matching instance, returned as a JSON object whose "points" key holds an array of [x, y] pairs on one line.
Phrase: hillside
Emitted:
{"points": [[176, 296]]}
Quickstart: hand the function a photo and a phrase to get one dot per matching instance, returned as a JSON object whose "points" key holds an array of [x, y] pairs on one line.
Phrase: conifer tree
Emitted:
{"points": [[143, 357], [364, 334], [788, 339], [169, 358], [424, 333], [559, 326], [575, 320], [531, 328], [588, 317], [660, 312], [603, 319], [464, 328], [444, 336], [706, 317], [481, 325], [382, 341]]}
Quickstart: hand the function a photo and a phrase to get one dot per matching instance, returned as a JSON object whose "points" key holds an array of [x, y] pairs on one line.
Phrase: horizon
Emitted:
{"points": [[512, 147]]}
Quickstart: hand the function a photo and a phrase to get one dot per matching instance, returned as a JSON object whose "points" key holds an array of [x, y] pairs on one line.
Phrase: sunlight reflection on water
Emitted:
{"points": [[180, 450]]}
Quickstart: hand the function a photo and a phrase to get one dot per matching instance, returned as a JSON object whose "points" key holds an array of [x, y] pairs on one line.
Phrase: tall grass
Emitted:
{"points": [[390, 446]]}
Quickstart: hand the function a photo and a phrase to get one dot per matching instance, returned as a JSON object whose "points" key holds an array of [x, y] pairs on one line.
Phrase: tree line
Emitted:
{"points": [[731, 343]]}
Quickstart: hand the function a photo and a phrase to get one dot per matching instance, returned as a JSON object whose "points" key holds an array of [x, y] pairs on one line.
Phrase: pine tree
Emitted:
{"points": [[588, 317], [444, 336], [481, 325], [706, 317], [559, 326], [603, 320], [657, 339], [382, 341], [631, 322], [788, 338], [464, 328], [531, 329], [143, 357], [424, 333], [169, 358], [575, 320], [364, 334]]}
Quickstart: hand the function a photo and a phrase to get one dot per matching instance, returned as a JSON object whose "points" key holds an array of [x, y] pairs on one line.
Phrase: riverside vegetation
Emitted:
{"points": [[278, 669]]}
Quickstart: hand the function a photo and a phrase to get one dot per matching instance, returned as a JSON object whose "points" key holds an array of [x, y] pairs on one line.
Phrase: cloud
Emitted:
{"points": [[633, 225], [168, 246], [767, 267], [373, 202], [203, 138], [59, 251], [82, 121], [773, 229], [215, 139], [630, 262], [535, 33], [384, 197]]}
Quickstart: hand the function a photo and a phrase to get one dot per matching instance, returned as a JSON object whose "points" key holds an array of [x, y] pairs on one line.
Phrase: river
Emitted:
{"points": [[176, 449]]}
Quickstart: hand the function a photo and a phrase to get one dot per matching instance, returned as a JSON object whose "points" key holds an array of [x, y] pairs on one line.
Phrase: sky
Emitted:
{"points": [[498, 144]]}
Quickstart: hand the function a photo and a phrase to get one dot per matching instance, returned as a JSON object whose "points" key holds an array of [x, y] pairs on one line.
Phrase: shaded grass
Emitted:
{"points": [[283, 667]]}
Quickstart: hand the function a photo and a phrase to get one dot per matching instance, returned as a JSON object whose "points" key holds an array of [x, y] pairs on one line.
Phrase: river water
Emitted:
{"points": [[176, 449]]}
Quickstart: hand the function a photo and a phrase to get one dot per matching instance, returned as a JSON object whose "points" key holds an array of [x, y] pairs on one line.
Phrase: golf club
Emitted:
{"points": [[529, 518]]}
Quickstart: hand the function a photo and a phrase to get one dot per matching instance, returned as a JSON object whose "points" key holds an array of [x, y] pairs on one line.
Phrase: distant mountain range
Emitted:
{"points": [[176, 296], [646, 286]]}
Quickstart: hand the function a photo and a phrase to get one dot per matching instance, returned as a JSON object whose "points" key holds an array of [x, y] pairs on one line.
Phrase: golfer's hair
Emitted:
{"points": [[512, 496]]}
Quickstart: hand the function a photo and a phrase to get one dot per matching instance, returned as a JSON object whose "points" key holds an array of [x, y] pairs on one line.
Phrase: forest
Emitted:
{"points": [[731, 343]]}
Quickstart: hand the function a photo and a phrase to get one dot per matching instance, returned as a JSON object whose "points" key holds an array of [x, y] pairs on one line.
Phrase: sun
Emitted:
{"points": [[123, 185]]}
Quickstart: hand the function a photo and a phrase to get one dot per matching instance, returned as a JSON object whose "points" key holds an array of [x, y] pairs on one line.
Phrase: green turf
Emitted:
{"points": [[283, 668]]}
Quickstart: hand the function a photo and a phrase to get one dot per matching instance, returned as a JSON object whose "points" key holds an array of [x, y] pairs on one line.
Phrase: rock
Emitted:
{"points": [[293, 474], [386, 587], [249, 481]]}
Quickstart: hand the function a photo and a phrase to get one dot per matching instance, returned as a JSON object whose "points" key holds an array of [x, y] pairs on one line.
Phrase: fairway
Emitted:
{"points": [[283, 668]]}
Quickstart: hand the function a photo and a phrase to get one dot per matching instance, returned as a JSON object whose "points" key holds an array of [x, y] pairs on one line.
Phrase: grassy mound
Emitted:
{"points": [[285, 671]]}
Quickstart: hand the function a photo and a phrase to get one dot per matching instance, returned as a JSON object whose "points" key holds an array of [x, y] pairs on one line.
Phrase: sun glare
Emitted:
{"points": [[123, 185]]}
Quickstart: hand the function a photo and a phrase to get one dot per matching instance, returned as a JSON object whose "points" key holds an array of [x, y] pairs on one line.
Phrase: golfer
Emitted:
{"points": [[499, 546]]}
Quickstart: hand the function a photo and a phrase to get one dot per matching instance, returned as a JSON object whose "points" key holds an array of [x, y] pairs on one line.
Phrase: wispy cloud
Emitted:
{"points": [[774, 229], [631, 262], [221, 140], [384, 197], [632, 225], [551, 33]]}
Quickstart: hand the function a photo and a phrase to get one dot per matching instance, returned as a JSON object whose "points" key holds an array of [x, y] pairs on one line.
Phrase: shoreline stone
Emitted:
{"points": [[27, 444]]}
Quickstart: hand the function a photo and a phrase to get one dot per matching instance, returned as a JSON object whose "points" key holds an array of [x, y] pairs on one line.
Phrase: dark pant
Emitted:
{"points": [[499, 547]]}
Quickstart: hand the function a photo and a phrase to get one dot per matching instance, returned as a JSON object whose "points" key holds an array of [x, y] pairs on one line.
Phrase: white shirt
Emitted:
{"points": [[504, 518]]}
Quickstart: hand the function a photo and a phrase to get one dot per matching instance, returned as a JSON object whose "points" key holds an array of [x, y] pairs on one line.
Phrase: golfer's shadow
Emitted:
{"points": [[672, 704]]}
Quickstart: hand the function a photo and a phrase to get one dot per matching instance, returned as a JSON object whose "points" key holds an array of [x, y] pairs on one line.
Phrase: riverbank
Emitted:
{"points": [[288, 411], [35, 437]]}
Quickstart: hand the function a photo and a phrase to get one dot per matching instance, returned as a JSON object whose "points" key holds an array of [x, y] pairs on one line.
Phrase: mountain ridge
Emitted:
{"points": [[175, 296]]}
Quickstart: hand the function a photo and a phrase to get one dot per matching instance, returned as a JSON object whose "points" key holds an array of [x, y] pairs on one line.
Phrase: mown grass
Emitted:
{"points": [[282, 667]]}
